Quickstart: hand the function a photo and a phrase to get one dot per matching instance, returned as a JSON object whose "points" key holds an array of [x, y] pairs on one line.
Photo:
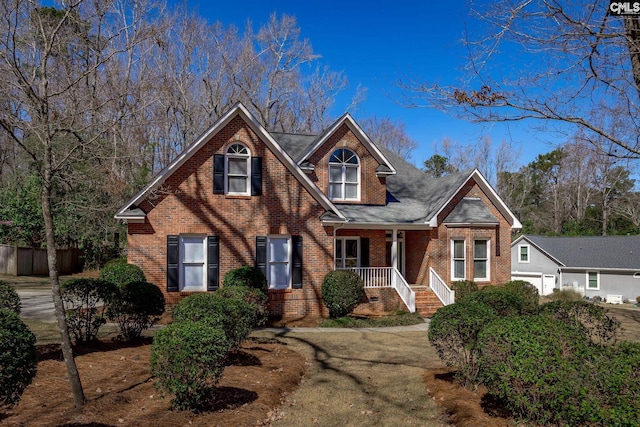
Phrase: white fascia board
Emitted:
{"points": [[538, 247], [357, 130], [493, 196]]}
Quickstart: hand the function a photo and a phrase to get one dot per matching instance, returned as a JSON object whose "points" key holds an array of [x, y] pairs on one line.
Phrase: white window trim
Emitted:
{"points": [[181, 263], [246, 157], [520, 254], [343, 239], [453, 260], [289, 261], [586, 286], [343, 178], [488, 261]]}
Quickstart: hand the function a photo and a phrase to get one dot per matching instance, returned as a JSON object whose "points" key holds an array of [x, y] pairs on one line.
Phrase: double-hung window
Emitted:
{"points": [[523, 253], [344, 175], [279, 262], [193, 273], [193, 263], [481, 260], [458, 259], [593, 280], [237, 170]]}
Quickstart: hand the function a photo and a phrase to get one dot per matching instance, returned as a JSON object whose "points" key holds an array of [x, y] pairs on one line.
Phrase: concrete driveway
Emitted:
{"points": [[37, 305]]}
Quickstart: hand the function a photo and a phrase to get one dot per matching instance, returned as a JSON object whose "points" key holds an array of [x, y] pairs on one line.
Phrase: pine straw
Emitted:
{"points": [[120, 390]]}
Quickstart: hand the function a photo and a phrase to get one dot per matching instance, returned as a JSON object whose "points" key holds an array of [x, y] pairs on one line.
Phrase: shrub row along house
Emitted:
{"points": [[299, 206], [595, 266]]}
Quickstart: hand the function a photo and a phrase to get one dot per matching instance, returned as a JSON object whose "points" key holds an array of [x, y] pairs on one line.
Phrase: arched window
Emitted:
{"points": [[344, 175], [237, 169]]}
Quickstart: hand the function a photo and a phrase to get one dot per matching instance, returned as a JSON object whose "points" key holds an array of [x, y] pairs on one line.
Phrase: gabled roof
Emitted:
{"points": [[357, 130], [589, 252], [471, 211], [126, 212]]}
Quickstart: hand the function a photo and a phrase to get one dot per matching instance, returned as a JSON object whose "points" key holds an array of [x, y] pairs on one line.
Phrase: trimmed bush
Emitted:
{"points": [[9, 298], [121, 273], [188, 359], [505, 303], [598, 327], [535, 364], [453, 331], [463, 288], [614, 379], [638, 299], [527, 293], [342, 290], [18, 357], [255, 297], [109, 264], [234, 316], [136, 307], [85, 302], [249, 277], [565, 295]]}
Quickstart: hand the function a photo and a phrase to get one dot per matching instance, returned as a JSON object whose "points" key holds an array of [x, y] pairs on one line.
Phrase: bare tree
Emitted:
{"points": [[54, 62], [391, 135], [577, 67]]}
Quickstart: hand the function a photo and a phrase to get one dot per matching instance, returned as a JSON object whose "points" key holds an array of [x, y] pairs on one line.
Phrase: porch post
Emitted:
{"points": [[394, 255]]}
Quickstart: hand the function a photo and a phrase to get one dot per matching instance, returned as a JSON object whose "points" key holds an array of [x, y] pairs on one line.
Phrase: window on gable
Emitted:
{"points": [[237, 170], [458, 259], [593, 280], [523, 253], [344, 175], [481, 260]]}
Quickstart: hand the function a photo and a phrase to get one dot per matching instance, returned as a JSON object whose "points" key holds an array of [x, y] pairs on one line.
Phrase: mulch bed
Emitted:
{"points": [[120, 390]]}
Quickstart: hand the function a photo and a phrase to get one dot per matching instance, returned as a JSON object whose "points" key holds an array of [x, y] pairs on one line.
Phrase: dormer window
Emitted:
{"points": [[237, 170], [344, 175]]}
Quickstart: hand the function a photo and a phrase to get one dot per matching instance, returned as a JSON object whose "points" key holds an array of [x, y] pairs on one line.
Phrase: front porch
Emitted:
{"points": [[421, 298]]}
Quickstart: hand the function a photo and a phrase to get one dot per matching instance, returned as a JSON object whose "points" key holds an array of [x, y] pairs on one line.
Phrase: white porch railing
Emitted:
{"points": [[442, 291], [387, 277]]}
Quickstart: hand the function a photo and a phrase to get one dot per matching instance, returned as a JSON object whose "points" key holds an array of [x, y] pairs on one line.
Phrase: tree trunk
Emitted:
{"points": [[632, 27], [52, 259]]}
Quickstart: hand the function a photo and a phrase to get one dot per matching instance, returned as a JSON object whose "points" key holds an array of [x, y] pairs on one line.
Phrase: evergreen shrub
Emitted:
{"points": [[598, 326], [505, 303], [188, 360], [249, 277], [136, 307], [121, 273], [528, 294], [9, 298], [86, 301], [342, 290], [463, 288], [18, 357], [453, 331]]}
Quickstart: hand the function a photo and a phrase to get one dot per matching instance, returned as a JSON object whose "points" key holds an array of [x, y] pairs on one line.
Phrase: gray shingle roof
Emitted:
{"points": [[600, 252], [412, 196], [471, 211]]}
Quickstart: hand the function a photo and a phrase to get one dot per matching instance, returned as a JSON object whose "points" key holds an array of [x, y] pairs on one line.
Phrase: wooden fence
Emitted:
{"points": [[18, 261]]}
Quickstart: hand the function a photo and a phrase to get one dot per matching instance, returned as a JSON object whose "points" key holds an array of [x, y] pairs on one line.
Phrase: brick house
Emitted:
{"points": [[299, 206]]}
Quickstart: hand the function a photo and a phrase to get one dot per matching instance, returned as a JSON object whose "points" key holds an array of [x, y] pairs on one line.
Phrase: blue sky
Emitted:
{"points": [[375, 43]]}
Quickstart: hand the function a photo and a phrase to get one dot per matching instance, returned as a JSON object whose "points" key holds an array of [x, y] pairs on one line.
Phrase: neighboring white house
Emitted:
{"points": [[595, 266]]}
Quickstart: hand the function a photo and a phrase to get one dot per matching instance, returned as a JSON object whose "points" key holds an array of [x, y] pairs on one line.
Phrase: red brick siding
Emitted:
{"points": [[439, 250], [186, 205], [373, 190]]}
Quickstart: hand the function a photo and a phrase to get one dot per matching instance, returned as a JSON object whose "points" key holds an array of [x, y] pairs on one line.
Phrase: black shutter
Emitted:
{"points": [[364, 252], [296, 262], [173, 256], [256, 176], [261, 254], [213, 263], [218, 174]]}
